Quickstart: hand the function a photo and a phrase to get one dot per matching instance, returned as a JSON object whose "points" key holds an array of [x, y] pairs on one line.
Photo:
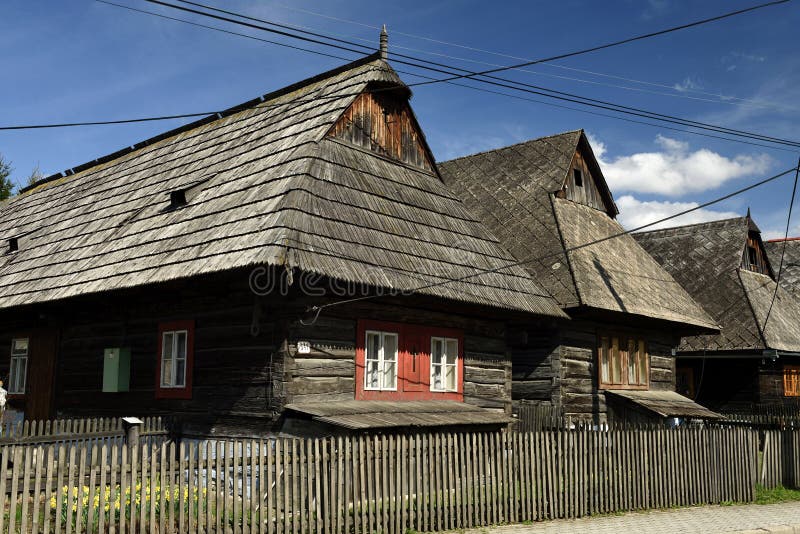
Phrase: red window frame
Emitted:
{"points": [[411, 338], [184, 392]]}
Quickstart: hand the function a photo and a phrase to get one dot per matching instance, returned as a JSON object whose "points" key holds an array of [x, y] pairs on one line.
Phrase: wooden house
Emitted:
{"points": [[549, 204], [293, 264], [756, 357]]}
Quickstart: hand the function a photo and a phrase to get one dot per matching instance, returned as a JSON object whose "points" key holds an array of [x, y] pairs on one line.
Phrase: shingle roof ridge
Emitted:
{"points": [[677, 229], [521, 143], [372, 58]]}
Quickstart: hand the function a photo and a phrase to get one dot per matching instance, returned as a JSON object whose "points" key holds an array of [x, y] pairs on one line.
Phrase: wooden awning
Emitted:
{"points": [[362, 415], [664, 403]]}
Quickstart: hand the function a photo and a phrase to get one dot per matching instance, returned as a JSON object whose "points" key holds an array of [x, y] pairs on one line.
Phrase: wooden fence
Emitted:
{"points": [[63, 430], [387, 483], [780, 462]]}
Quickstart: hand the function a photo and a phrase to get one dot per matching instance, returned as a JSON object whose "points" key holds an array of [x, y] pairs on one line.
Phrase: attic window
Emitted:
{"points": [[578, 174], [177, 198], [13, 244]]}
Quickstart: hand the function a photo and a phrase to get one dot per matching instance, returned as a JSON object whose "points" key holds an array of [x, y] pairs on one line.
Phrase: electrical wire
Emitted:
{"points": [[723, 98], [221, 30], [577, 98], [102, 123], [783, 250], [541, 91], [318, 309], [629, 39]]}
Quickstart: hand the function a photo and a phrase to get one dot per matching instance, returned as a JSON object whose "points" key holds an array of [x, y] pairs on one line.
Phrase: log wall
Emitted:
{"points": [[561, 370]]}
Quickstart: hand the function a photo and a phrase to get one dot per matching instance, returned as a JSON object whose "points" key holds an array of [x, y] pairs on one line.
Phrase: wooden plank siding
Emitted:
{"points": [[587, 193], [246, 363], [560, 368], [384, 123]]}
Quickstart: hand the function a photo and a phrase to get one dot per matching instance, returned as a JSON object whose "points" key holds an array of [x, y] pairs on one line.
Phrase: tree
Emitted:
{"points": [[35, 176], [6, 185]]}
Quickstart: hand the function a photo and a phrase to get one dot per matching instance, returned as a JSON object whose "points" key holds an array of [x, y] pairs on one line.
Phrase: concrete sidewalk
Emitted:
{"points": [[751, 518]]}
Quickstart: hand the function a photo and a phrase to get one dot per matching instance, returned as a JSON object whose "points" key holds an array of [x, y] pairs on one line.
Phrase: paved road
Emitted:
{"points": [[783, 518]]}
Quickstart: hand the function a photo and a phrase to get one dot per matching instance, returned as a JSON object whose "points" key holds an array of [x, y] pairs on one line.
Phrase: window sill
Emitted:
{"points": [[612, 387], [174, 393]]}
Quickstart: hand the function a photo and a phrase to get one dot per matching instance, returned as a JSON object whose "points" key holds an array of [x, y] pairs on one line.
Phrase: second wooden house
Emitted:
{"points": [[755, 359], [549, 204]]}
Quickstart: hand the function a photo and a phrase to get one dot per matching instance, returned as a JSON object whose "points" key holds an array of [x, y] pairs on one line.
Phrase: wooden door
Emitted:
{"points": [[414, 358], [39, 392]]}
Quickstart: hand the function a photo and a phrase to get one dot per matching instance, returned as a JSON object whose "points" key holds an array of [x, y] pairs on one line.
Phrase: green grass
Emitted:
{"points": [[776, 495]]}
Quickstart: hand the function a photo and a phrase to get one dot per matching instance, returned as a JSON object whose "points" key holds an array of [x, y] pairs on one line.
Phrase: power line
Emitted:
{"points": [[221, 30], [722, 98], [318, 309], [571, 98], [538, 90], [101, 123], [300, 100], [628, 40], [783, 250]]}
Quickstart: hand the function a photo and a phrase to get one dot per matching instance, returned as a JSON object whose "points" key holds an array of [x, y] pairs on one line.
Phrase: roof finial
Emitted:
{"points": [[748, 212], [384, 43]]}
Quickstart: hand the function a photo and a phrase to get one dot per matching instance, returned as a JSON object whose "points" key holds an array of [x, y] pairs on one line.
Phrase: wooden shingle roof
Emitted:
{"points": [[706, 259], [264, 186], [512, 190], [790, 275]]}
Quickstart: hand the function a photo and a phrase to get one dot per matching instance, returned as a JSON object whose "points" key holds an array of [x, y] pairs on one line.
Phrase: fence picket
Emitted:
{"points": [[386, 483]]}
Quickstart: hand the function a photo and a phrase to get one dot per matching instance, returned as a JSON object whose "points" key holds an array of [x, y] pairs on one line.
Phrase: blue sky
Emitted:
{"points": [[83, 60]]}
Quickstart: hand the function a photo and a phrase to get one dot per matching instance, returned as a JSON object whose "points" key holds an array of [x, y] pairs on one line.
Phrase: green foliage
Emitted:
{"points": [[6, 185], [776, 495]]}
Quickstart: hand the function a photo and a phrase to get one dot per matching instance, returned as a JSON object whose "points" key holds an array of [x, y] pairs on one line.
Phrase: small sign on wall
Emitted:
{"points": [[304, 347]]}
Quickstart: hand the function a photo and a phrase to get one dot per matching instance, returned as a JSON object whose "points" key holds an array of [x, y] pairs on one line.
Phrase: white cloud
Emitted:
{"points": [[687, 85], [675, 170], [634, 213]]}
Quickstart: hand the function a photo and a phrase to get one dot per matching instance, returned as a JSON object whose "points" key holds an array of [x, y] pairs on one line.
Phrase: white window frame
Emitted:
{"points": [[17, 359], [174, 359], [381, 360], [445, 365]]}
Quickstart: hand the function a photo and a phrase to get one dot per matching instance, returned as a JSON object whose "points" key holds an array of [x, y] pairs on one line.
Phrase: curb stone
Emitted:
{"points": [[773, 529]]}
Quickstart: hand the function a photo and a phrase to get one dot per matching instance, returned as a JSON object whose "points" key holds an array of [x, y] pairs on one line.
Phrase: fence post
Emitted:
{"points": [[131, 426]]}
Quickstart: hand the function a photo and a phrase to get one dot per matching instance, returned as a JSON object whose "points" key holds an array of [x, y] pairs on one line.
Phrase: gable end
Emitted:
{"points": [[581, 185], [382, 121]]}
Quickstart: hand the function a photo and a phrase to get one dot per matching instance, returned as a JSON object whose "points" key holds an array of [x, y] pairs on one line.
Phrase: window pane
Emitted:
{"points": [[373, 345], [167, 346], [180, 351], [616, 362], [390, 347], [372, 374], [436, 377], [450, 378], [180, 372], [166, 373], [452, 351], [605, 347], [436, 351], [633, 362], [19, 346], [389, 375], [642, 363]]}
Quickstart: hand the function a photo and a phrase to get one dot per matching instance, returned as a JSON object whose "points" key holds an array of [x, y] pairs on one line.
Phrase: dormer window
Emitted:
{"points": [[754, 258], [177, 198], [13, 244], [578, 174]]}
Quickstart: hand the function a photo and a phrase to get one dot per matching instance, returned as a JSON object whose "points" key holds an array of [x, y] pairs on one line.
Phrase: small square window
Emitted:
{"points": [[578, 174], [18, 370], [175, 360], [444, 364], [381, 361]]}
